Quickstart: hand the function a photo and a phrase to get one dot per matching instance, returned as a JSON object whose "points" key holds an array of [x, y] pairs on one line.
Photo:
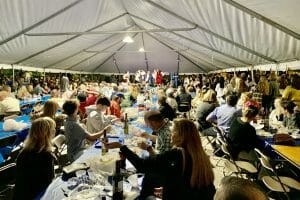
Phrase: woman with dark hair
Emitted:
{"points": [[292, 92], [186, 168], [242, 136], [291, 117]]}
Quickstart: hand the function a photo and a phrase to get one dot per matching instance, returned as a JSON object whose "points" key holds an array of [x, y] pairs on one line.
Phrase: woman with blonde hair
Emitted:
{"points": [[50, 109], [35, 162], [23, 93], [186, 169], [245, 96]]}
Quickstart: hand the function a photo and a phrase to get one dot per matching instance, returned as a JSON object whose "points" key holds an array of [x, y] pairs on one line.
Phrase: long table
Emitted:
{"points": [[290, 153], [57, 189], [21, 135]]}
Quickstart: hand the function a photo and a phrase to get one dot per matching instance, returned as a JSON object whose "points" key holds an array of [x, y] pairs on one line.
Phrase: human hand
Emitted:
{"points": [[144, 135], [108, 128], [143, 145], [113, 145]]}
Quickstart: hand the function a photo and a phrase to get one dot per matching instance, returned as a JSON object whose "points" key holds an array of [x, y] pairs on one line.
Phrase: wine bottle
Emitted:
{"points": [[118, 182], [104, 150], [126, 131]]}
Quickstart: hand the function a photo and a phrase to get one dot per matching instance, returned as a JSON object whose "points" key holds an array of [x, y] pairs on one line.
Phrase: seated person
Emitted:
{"points": [[291, 118], [50, 109], [186, 169], [8, 104], [82, 101], [165, 109], [35, 163], [205, 106], [242, 136], [234, 188], [75, 133], [115, 108], [96, 120], [161, 130], [276, 115]]}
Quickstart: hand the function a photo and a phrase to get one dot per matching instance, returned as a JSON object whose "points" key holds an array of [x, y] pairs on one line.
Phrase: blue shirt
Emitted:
{"points": [[223, 116]]}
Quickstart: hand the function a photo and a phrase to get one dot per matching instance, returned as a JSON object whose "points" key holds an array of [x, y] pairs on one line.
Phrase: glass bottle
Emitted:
{"points": [[118, 182], [126, 131], [104, 150]]}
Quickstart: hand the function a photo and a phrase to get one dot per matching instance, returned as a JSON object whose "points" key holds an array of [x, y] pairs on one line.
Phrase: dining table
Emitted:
{"points": [[68, 189]]}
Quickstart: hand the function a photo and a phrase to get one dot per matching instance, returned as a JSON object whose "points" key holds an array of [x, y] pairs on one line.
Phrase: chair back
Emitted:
{"points": [[59, 141]]}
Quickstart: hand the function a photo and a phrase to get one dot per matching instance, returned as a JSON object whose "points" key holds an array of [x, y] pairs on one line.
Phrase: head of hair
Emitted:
{"points": [[54, 93], [70, 106], [3, 95], [50, 108], [6, 88], [162, 99], [222, 81], [103, 101], [210, 96], [81, 97], [295, 81], [234, 188], [186, 136], [40, 134], [153, 115], [250, 111], [288, 105], [231, 100], [273, 76]]}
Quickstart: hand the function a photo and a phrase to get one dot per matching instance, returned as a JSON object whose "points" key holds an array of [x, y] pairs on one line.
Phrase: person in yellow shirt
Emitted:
{"points": [[292, 92]]}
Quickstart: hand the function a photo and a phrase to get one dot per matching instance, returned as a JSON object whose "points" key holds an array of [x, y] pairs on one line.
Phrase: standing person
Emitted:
{"points": [[35, 164], [274, 89], [75, 133], [185, 168], [263, 87]]}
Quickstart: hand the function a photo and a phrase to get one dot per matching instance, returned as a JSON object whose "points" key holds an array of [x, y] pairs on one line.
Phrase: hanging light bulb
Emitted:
{"points": [[128, 39]]}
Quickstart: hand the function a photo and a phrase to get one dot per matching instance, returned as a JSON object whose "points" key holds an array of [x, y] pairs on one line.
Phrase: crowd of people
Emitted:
{"points": [[227, 101]]}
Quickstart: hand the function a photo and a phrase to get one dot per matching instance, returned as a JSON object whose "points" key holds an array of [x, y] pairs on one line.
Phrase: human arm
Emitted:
{"points": [[94, 136], [146, 147], [212, 117], [148, 136]]}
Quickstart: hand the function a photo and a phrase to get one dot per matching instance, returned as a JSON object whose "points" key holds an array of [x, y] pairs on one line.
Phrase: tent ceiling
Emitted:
{"points": [[206, 34]]}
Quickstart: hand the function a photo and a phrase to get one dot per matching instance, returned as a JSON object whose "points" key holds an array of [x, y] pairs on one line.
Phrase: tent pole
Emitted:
{"points": [[252, 72], [13, 71]]}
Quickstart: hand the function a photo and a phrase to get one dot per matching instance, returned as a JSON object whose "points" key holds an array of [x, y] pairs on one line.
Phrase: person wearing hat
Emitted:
{"points": [[115, 108]]}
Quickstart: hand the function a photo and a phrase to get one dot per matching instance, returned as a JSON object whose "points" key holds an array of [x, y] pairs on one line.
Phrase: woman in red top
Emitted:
{"points": [[115, 108]]}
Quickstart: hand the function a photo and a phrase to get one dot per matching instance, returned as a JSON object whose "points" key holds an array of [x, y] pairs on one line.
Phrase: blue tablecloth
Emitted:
{"points": [[35, 100], [21, 135]]}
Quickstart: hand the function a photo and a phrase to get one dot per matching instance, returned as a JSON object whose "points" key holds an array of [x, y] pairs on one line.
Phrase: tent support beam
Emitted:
{"points": [[77, 53], [72, 38], [95, 54], [263, 18], [161, 42], [113, 54], [116, 64], [196, 42], [211, 32], [40, 22], [111, 32], [145, 54]]}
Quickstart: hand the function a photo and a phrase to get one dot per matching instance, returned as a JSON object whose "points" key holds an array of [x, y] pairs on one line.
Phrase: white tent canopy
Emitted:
{"points": [[177, 35]]}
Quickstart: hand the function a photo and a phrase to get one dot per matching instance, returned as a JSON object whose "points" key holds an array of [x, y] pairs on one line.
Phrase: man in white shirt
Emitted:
{"points": [[96, 120], [8, 104]]}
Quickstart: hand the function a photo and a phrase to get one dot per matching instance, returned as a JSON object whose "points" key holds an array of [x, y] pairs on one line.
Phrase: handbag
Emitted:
{"points": [[284, 139]]}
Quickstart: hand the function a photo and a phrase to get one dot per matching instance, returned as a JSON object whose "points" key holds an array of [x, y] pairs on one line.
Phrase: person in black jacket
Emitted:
{"points": [[35, 163], [165, 109], [186, 168], [242, 137]]}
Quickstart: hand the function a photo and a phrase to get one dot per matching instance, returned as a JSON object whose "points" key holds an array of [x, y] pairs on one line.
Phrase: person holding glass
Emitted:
{"points": [[186, 169]]}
